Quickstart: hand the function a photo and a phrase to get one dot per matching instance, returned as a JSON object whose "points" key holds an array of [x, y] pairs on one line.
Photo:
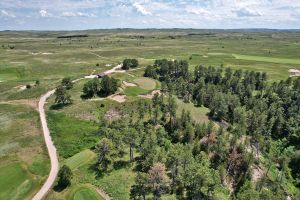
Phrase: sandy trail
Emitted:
{"points": [[51, 150], [49, 143]]}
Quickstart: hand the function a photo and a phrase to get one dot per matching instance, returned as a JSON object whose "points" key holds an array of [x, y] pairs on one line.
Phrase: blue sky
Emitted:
{"points": [[101, 14]]}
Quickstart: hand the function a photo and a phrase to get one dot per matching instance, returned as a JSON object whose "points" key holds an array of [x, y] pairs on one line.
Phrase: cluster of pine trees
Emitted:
{"points": [[256, 129]]}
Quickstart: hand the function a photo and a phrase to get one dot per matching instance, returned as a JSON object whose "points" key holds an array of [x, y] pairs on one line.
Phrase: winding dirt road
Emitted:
{"points": [[51, 150], [49, 143]]}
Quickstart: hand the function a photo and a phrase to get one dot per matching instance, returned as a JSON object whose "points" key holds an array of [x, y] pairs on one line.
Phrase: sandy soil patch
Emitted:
{"points": [[20, 87], [91, 76], [151, 95], [41, 53], [129, 84], [258, 173], [119, 98], [81, 62], [112, 114], [294, 72]]}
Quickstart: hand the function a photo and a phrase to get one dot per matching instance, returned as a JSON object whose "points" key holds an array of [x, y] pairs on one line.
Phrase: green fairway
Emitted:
{"points": [[145, 83], [15, 182], [134, 91], [267, 59], [84, 193], [80, 159]]}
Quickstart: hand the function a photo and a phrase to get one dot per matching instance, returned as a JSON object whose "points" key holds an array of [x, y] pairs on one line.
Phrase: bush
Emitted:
{"points": [[130, 63]]}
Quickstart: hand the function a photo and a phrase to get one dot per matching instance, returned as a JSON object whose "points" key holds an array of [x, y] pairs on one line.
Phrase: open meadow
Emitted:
{"points": [[31, 63]]}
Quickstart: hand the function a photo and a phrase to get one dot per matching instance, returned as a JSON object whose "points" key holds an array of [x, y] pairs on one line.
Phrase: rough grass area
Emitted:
{"points": [[117, 183], [80, 159], [199, 114], [267, 59], [145, 83], [24, 162], [16, 182], [71, 135]]}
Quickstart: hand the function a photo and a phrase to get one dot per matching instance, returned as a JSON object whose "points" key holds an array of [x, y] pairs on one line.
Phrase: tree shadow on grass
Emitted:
{"points": [[59, 106], [59, 187], [121, 164]]}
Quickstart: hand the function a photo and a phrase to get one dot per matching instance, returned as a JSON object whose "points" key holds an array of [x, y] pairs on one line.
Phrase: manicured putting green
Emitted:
{"points": [[80, 159], [145, 83], [85, 193], [267, 59], [15, 182], [134, 91]]}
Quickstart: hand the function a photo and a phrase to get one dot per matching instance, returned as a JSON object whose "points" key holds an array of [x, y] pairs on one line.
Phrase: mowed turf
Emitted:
{"points": [[80, 159], [16, 182], [145, 83], [84, 193], [267, 59]]}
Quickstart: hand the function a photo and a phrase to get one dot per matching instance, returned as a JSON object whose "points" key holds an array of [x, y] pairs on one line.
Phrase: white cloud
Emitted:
{"points": [[139, 8], [77, 14], [197, 10], [44, 13], [4, 13]]}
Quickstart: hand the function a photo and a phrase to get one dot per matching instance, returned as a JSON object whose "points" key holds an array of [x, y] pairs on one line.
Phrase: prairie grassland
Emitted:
{"points": [[24, 163], [42, 56]]}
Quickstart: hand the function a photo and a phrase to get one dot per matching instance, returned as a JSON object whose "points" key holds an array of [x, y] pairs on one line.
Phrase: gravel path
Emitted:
{"points": [[49, 143], [51, 150]]}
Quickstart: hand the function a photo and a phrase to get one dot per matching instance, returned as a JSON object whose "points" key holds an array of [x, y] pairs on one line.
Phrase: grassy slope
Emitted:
{"points": [[21, 65], [199, 114], [24, 162], [145, 83], [71, 135]]}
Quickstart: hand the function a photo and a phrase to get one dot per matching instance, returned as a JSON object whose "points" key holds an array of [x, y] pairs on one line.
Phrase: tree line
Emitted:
{"points": [[193, 160]]}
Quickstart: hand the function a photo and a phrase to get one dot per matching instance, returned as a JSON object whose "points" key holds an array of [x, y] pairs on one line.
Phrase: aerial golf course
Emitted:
{"points": [[32, 63]]}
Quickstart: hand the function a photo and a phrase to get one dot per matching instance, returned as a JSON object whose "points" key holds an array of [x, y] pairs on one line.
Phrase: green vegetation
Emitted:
{"points": [[80, 159], [199, 114], [268, 59], [130, 63], [134, 91], [71, 135], [83, 193], [254, 114], [16, 182], [145, 83], [24, 163]]}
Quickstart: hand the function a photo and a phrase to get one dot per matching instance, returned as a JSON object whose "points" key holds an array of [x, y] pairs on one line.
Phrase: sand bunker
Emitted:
{"points": [[41, 53], [118, 98], [129, 84], [294, 72], [20, 87], [151, 95]]}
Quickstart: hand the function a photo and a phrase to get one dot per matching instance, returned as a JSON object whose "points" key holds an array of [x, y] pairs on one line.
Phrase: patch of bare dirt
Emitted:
{"points": [[294, 72], [118, 98], [258, 173], [112, 114], [28, 154], [151, 95]]}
